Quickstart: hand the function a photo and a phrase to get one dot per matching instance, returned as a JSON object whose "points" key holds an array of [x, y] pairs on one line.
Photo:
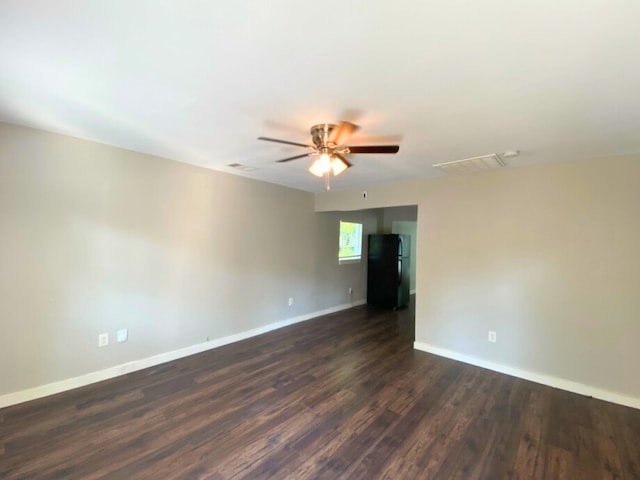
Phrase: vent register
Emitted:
{"points": [[483, 163], [472, 165], [239, 166]]}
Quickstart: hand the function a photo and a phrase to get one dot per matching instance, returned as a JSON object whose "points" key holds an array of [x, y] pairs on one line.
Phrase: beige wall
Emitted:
{"points": [[95, 238], [546, 256], [392, 215]]}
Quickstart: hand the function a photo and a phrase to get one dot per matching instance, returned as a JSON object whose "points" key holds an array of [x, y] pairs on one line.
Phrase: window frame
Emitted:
{"points": [[357, 258]]}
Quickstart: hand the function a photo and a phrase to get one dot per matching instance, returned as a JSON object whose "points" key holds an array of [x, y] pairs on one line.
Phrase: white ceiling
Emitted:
{"points": [[199, 80]]}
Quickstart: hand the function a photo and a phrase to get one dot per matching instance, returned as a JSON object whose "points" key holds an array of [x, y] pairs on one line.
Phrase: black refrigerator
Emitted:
{"points": [[388, 270]]}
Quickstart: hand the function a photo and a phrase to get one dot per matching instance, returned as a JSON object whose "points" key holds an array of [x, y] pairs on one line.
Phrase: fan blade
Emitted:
{"points": [[351, 115], [285, 142], [377, 139], [375, 149], [341, 133], [346, 162], [294, 158]]}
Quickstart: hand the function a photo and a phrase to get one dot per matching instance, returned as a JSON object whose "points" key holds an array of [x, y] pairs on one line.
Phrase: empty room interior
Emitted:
{"points": [[196, 206]]}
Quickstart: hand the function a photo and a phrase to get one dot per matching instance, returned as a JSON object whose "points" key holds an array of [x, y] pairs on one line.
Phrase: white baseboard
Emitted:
{"points": [[122, 369], [542, 378]]}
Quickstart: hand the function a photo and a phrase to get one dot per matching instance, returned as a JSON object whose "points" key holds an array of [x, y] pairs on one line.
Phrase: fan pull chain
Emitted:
{"points": [[327, 180]]}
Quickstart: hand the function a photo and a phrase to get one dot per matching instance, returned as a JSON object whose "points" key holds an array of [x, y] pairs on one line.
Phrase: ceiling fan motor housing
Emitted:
{"points": [[320, 134]]}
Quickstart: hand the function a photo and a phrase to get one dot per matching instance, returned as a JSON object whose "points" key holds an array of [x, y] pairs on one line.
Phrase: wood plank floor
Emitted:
{"points": [[342, 396]]}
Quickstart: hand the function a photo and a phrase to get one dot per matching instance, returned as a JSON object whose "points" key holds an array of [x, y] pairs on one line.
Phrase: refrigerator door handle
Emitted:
{"points": [[399, 271]]}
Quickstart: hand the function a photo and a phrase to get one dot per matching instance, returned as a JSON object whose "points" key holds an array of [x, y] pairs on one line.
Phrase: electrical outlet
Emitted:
{"points": [[122, 335], [103, 339], [492, 336], [290, 301], [350, 290]]}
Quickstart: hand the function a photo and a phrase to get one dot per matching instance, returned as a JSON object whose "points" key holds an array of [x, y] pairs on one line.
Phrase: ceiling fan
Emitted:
{"points": [[329, 143]]}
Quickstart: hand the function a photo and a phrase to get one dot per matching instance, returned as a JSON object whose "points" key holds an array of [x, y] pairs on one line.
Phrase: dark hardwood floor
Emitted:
{"points": [[342, 396]]}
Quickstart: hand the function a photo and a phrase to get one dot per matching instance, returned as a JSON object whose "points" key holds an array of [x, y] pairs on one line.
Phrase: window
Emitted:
{"points": [[350, 243]]}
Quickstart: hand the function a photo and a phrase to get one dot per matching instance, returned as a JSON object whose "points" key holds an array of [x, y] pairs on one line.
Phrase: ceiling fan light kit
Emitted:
{"points": [[326, 164], [329, 144], [321, 165]]}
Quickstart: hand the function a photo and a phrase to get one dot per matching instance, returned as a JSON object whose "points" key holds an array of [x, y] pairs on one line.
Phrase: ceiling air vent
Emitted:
{"points": [[472, 165], [239, 166]]}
